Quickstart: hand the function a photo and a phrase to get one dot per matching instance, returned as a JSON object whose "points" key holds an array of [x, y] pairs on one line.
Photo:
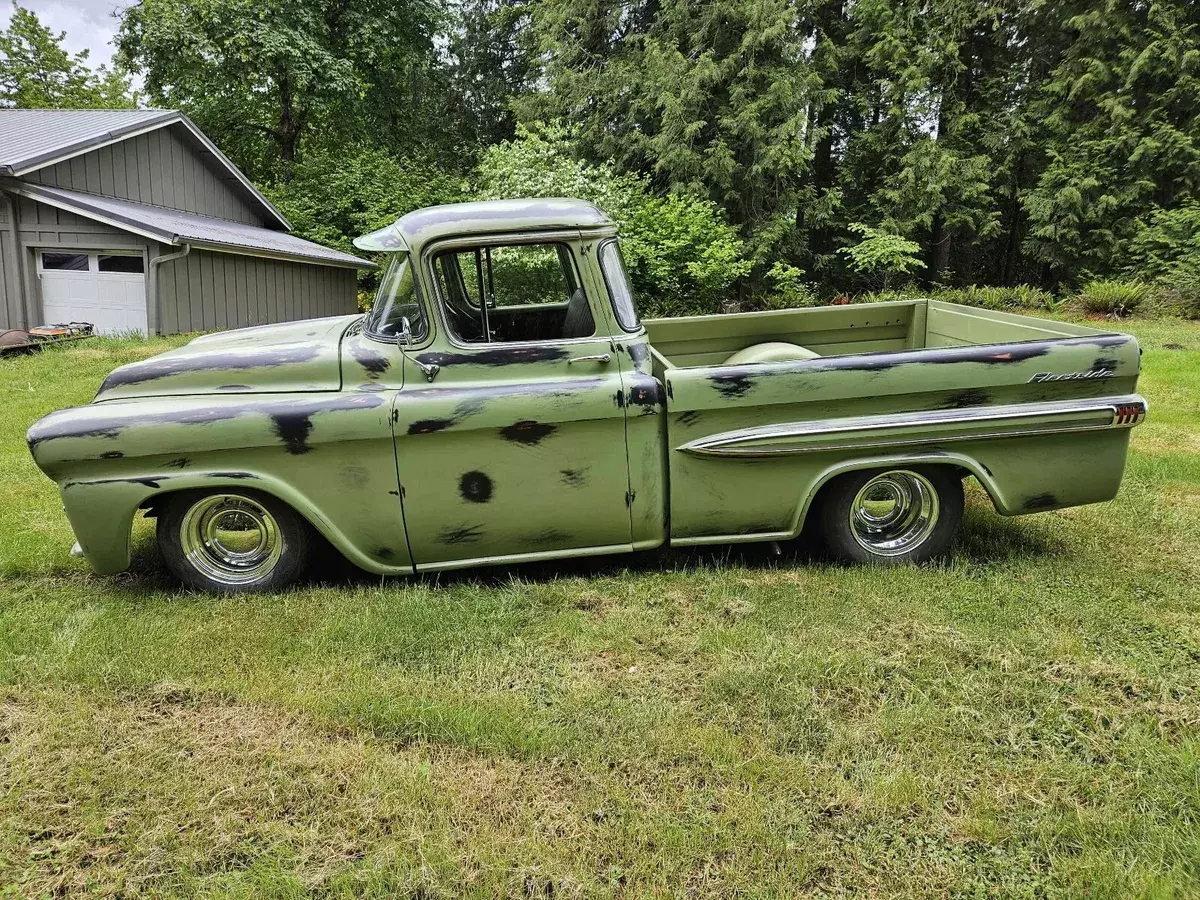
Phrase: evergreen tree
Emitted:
{"points": [[1121, 129]]}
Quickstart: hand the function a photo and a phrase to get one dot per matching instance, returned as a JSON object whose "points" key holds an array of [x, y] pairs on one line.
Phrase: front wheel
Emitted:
{"points": [[227, 542], [891, 515]]}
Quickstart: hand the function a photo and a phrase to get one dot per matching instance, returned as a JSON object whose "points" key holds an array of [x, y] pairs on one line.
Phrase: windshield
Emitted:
{"points": [[396, 301]]}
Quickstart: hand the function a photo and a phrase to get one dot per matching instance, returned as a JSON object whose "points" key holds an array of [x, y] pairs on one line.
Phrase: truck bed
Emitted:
{"points": [[692, 341], [1037, 410]]}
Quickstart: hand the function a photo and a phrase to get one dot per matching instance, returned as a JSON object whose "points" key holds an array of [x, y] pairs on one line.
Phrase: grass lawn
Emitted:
{"points": [[1023, 721]]}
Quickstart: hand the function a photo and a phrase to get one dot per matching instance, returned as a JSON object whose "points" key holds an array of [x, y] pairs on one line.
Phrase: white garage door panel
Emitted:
{"points": [[115, 302]]}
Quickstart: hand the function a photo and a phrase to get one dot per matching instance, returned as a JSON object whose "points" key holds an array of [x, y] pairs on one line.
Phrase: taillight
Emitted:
{"points": [[1128, 413]]}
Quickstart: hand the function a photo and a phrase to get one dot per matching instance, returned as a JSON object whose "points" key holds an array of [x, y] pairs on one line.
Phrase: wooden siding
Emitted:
{"points": [[47, 226], [207, 291], [12, 310], [162, 168]]}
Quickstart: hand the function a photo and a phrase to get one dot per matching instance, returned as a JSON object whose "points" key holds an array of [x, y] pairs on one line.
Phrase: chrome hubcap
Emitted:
{"points": [[230, 539], [893, 513]]}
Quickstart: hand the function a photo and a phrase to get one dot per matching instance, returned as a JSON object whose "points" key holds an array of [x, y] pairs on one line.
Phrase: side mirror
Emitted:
{"points": [[405, 337]]}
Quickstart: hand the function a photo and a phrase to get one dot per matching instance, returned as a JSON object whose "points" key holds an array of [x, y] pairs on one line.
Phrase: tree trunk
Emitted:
{"points": [[289, 128], [939, 241]]}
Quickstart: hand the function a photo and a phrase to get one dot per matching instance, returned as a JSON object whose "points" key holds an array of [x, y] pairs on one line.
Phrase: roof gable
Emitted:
{"points": [[32, 139]]}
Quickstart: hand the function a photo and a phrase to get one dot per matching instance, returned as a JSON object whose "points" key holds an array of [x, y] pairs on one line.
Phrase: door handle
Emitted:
{"points": [[599, 357]]}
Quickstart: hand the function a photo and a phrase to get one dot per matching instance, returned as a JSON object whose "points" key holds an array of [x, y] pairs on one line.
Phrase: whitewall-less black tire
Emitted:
{"points": [[895, 515], [232, 540]]}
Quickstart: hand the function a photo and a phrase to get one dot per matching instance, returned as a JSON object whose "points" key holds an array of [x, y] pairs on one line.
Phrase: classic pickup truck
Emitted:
{"points": [[502, 402]]}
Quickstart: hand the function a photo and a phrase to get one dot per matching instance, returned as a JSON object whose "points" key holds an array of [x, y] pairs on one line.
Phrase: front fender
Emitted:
{"points": [[329, 456], [101, 514]]}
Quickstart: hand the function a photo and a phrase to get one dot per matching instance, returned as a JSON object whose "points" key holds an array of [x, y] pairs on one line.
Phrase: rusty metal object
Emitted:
{"points": [[14, 339]]}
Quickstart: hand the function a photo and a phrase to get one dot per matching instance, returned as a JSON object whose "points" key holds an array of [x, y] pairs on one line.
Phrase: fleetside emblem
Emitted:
{"points": [[1042, 377]]}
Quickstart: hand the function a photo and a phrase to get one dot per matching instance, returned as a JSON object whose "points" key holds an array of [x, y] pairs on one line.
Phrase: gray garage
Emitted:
{"points": [[134, 221]]}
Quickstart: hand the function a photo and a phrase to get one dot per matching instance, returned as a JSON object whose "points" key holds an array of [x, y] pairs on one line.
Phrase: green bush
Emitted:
{"points": [[1019, 297], [683, 257], [332, 198], [881, 255], [791, 288], [1109, 297]]}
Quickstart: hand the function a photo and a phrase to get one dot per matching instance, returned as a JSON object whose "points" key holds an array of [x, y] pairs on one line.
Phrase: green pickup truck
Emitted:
{"points": [[502, 402]]}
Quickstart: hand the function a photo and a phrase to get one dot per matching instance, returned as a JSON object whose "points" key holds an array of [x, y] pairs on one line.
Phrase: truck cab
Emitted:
{"points": [[521, 357]]}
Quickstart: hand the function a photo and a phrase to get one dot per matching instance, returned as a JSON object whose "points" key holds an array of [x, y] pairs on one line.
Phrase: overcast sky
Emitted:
{"points": [[89, 24]]}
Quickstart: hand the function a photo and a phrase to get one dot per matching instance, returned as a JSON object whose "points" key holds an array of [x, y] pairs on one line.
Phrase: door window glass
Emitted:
{"points": [[513, 292], [123, 263], [65, 262], [615, 278]]}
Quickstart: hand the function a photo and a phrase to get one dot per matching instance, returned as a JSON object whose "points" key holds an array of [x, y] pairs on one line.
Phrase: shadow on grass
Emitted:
{"points": [[985, 538]]}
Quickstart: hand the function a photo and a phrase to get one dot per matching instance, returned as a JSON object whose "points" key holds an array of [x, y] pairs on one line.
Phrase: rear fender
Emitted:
{"points": [[892, 461]]}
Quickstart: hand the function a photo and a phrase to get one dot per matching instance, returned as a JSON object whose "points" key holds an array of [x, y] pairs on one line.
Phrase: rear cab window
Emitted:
{"points": [[612, 265], [513, 293]]}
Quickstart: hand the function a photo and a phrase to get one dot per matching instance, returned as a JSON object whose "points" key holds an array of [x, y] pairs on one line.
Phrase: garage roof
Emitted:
{"points": [[31, 139], [173, 227]]}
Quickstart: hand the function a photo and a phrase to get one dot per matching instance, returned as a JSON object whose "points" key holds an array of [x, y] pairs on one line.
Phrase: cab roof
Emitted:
{"points": [[484, 217]]}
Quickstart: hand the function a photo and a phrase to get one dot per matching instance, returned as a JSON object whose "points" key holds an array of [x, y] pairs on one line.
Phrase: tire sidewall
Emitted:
{"points": [[293, 532], [834, 515]]}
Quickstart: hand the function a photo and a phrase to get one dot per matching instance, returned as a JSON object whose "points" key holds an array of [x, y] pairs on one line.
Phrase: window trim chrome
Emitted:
{"points": [[615, 242]]}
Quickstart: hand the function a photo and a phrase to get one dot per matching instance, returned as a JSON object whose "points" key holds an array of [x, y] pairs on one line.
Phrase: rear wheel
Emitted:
{"points": [[891, 515], [229, 542]]}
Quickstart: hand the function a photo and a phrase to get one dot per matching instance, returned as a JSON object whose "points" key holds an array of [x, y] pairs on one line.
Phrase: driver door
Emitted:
{"points": [[516, 449]]}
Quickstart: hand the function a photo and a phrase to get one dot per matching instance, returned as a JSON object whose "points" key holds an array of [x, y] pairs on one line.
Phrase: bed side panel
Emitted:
{"points": [[721, 497]]}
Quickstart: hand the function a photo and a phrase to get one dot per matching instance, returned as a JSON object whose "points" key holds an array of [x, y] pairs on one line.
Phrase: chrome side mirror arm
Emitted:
{"points": [[405, 339]]}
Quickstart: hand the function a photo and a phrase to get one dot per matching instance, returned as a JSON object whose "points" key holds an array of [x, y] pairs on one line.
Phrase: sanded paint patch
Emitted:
{"points": [[528, 432]]}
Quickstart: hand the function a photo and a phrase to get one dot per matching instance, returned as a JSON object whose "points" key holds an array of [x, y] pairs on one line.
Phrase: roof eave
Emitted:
{"points": [[168, 237], [352, 262], [24, 189], [115, 135]]}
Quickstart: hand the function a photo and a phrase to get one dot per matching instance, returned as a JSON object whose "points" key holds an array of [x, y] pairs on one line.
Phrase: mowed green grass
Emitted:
{"points": [[1022, 721]]}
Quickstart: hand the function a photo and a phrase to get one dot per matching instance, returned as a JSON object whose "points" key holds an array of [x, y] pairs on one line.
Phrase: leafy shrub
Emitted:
{"points": [[882, 254], [1109, 297], [791, 289], [334, 197], [682, 255]]}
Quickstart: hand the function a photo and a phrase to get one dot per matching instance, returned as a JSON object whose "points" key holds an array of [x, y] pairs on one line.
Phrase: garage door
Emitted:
{"points": [[105, 288]]}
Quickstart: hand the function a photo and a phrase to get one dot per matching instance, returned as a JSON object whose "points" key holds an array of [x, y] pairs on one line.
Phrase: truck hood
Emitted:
{"points": [[293, 357]]}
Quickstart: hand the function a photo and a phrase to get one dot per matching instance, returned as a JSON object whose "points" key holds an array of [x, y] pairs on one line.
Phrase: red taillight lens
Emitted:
{"points": [[1127, 414]]}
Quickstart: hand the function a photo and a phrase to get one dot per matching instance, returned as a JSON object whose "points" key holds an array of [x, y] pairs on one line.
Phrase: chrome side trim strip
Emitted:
{"points": [[1045, 418]]}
